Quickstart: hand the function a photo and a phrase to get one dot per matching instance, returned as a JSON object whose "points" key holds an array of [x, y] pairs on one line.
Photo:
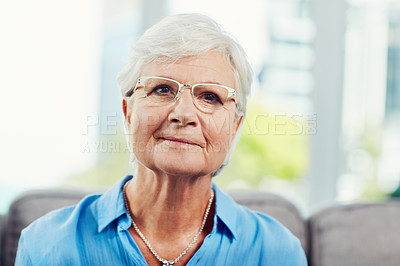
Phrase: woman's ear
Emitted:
{"points": [[236, 125], [127, 114]]}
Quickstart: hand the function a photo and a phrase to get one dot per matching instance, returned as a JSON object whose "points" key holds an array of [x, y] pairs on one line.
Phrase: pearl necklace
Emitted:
{"points": [[162, 260]]}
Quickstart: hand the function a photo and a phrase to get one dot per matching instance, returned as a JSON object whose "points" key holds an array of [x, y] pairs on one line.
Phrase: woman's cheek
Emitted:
{"points": [[220, 140], [144, 120]]}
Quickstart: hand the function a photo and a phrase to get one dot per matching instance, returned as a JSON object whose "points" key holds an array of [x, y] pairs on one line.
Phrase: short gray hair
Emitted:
{"points": [[185, 35]]}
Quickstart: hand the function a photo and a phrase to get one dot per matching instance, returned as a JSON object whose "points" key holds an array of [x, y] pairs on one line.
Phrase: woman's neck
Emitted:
{"points": [[168, 207]]}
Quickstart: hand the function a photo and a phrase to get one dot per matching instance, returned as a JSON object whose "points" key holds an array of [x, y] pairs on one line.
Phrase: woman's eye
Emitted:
{"points": [[161, 89], [211, 97]]}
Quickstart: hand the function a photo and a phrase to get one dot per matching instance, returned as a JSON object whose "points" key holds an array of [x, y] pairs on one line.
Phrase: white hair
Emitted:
{"points": [[185, 35]]}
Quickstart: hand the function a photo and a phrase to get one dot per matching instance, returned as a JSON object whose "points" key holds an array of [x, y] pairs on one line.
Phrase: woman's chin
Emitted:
{"points": [[181, 166]]}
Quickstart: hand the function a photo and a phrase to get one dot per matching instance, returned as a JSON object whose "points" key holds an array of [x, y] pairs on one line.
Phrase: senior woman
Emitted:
{"points": [[184, 99]]}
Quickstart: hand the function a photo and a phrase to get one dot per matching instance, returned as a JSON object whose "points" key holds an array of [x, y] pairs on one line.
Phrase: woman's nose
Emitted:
{"points": [[184, 111]]}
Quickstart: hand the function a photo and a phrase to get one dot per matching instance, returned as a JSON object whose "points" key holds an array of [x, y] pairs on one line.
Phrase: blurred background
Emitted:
{"points": [[323, 123]]}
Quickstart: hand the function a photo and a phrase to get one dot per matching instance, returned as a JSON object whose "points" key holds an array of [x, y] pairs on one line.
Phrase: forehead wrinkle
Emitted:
{"points": [[186, 77], [206, 68], [202, 82]]}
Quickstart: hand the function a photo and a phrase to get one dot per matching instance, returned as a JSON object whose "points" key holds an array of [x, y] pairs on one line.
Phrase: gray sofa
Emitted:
{"points": [[354, 234]]}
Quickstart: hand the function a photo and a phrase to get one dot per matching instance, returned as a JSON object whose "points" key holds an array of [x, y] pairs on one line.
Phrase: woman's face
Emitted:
{"points": [[177, 138]]}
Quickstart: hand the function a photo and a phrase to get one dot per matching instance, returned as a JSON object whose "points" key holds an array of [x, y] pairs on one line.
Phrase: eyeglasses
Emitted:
{"points": [[206, 96]]}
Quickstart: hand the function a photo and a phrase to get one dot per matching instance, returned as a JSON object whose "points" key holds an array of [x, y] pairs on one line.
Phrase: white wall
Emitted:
{"points": [[49, 65]]}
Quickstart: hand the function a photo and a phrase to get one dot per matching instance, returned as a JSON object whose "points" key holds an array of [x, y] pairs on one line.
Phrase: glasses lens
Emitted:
{"points": [[160, 90], [210, 96]]}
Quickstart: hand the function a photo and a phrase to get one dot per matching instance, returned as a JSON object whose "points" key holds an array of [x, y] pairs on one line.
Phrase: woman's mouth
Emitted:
{"points": [[182, 141]]}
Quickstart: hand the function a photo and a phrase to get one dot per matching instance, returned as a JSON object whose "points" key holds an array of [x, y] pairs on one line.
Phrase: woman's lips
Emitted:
{"points": [[180, 140]]}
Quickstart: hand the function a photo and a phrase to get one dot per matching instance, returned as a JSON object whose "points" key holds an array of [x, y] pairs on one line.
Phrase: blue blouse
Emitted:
{"points": [[95, 232]]}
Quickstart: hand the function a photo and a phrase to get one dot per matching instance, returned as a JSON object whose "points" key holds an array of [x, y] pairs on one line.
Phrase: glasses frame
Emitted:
{"points": [[141, 80]]}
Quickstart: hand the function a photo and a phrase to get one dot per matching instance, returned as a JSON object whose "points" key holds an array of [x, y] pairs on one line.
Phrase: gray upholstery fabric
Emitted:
{"points": [[356, 234], [277, 207], [27, 208], [2, 232]]}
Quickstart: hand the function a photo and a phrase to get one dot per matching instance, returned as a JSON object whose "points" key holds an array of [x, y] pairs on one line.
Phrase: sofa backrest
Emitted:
{"points": [[31, 205], [356, 234], [279, 208], [2, 233]]}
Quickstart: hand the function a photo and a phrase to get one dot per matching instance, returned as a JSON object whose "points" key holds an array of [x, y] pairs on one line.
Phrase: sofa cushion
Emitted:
{"points": [[277, 207], [356, 234]]}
